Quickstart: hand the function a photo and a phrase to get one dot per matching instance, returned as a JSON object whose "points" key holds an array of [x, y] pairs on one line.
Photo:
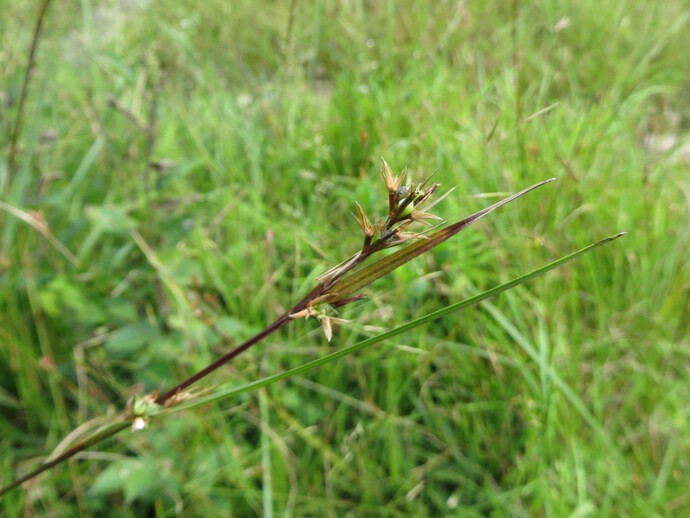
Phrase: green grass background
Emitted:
{"points": [[565, 397]]}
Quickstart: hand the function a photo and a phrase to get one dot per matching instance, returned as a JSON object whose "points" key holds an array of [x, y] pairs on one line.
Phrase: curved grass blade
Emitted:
{"points": [[224, 393]]}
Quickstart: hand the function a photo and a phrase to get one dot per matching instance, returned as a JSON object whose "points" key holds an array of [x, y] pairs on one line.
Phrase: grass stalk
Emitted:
{"points": [[23, 94]]}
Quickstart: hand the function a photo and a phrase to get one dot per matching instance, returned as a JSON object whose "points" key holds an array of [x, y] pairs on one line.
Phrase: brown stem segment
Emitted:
{"points": [[223, 359], [272, 328]]}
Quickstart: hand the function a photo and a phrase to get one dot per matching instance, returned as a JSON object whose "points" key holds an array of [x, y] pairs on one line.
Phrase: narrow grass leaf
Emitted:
{"points": [[224, 393]]}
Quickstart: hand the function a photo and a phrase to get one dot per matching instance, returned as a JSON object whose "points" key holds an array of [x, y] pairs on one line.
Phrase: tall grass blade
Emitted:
{"points": [[233, 391]]}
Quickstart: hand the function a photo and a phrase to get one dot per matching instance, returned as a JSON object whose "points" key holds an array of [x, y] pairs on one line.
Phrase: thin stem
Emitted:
{"points": [[19, 117], [272, 328], [223, 359], [110, 431]]}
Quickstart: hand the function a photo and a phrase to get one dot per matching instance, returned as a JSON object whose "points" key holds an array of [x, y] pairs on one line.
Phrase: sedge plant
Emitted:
{"points": [[409, 205]]}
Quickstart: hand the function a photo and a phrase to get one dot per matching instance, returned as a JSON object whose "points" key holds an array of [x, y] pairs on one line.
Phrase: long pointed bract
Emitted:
{"points": [[357, 280]]}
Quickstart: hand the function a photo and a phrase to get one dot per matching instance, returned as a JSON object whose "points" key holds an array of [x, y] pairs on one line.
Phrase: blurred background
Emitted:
{"points": [[179, 172]]}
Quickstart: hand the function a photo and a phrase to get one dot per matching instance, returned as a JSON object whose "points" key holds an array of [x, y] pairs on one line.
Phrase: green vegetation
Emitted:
{"points": [[186, 170]]}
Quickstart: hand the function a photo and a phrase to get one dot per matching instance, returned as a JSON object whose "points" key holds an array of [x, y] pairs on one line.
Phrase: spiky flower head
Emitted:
{"points": [[393, 183]]}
